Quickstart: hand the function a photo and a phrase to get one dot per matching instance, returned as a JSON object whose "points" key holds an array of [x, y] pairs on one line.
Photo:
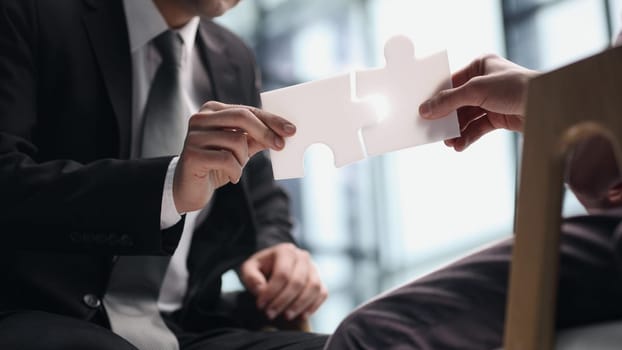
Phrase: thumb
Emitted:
{"points": [[449, 100], [252, 276]]}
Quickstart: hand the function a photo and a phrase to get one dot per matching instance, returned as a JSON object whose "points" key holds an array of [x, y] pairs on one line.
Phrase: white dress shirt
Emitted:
{"points": [[145, 23]]}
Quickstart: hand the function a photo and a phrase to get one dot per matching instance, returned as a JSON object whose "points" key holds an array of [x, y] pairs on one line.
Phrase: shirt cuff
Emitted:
{"points": [[168, 214]]}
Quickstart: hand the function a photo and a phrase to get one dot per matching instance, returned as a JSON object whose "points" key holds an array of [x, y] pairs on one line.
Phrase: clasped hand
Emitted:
{"points": [[285, 281]]}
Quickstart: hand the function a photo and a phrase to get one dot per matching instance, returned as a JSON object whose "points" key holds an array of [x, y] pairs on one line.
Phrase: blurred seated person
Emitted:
{"points": [[462, 306]]}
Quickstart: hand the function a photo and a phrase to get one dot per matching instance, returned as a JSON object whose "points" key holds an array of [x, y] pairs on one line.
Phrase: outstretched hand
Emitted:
{"points": [[489, 94]]}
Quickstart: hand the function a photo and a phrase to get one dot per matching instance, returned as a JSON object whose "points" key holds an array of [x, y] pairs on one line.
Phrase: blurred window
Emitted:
{"points": [[385, 220]]}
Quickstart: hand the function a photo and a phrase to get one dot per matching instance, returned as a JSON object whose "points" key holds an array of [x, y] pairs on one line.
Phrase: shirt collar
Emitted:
{"points": [[188, 34], [144, 23]]}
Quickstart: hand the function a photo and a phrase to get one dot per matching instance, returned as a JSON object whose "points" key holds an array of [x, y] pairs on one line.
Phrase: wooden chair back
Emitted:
{"points": [[564, 107]]}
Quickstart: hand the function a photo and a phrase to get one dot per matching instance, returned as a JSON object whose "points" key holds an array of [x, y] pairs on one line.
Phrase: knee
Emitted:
{"points": [[34, 330], [390, 322], [352, 333], [84, 338], [96, 340]]}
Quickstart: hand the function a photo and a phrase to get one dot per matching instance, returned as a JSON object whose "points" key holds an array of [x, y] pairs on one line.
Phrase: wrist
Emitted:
{"points": [[191, 195], [169, 215]]}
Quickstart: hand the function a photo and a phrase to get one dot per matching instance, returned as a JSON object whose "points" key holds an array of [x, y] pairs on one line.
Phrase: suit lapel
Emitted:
{"points": [[107, 31], [223, 68]]}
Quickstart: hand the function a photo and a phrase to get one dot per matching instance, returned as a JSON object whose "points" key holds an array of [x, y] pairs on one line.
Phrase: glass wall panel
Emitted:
{"points": [[441, 204]]}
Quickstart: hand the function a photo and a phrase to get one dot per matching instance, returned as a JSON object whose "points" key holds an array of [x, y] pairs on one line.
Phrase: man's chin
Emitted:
{"points": [[212, 9]]}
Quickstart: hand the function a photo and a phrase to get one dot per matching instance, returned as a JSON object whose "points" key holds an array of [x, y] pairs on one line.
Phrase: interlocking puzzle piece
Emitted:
{"points": [[405, 82], [324, 111]]}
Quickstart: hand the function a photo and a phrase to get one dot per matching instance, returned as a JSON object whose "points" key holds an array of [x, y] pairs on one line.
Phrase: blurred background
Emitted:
{"points": [[383, 221]]}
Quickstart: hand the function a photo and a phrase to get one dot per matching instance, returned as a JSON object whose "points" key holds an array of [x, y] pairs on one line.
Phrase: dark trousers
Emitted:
{"points": [[462, 306], [35, 330]]}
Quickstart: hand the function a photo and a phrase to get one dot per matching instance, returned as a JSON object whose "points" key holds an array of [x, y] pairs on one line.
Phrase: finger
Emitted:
{"points": [[239, 119], [473, 132], [252, 276], [234, 142], [307, 298], [207, 160], [280, 125], [254, 147], [449, 100], [478, 67], [316, 305], [297, 282], [468, 114], [281, 271], [473, 69], [451, 142]]}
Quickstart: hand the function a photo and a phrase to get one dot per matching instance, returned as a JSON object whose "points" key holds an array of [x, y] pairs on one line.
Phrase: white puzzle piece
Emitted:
{"points": [[324, 111], [327, 111], [405, 82]]}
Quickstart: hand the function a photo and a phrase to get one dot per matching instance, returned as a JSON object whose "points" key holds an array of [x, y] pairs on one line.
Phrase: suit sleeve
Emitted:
{"points": [[107, 206], [269, 201]]}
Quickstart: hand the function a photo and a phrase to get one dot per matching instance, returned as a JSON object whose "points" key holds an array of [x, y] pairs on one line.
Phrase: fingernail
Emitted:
{"points": [[289, 128], [278, 142], [290, 315], [424, 109], [271, 314]]}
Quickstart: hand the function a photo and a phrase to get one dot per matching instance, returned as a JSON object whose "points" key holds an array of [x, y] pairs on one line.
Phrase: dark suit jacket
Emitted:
{"points": [[69, 197]]}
